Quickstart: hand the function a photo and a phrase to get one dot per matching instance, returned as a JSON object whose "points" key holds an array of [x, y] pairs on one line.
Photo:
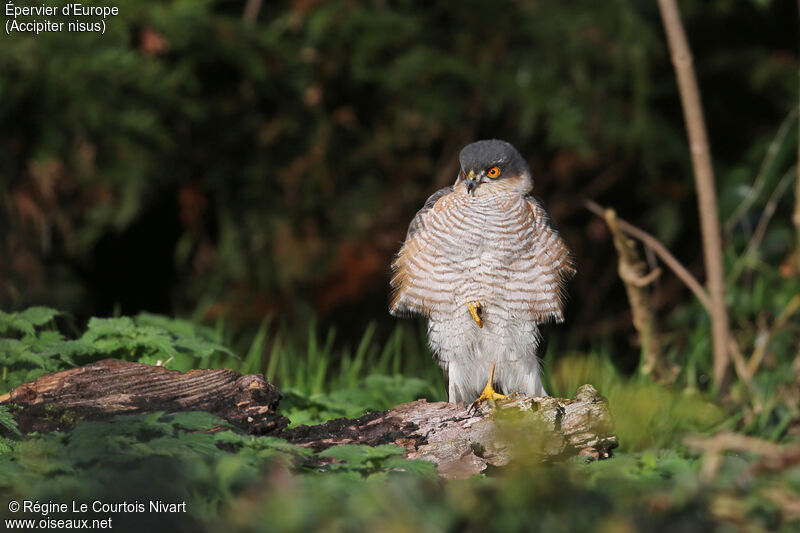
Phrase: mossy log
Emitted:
{"points": [[461, 441]]}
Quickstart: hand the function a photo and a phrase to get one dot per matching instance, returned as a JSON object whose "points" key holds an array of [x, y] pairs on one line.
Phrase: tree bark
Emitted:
{"points": [[108, 388], [461, 441]]}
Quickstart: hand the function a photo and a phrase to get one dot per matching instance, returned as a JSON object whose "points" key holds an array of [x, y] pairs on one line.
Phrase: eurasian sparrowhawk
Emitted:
{"points": [[483, 261]]}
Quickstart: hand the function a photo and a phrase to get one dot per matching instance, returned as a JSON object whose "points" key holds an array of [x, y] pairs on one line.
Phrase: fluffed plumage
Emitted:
{"points": [[484, 239]]}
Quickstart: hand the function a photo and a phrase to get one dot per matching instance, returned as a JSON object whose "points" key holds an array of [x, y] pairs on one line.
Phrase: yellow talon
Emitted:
{"points": [[475, 311], [489, 394]]}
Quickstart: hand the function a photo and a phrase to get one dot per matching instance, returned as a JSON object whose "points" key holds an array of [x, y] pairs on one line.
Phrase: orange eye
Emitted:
{"points": [[493, 172]]}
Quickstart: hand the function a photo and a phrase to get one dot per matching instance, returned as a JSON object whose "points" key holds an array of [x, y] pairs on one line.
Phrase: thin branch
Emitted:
{"points": [[704, 180], [740, 366], [713, 448], [796, 364], [763, 171], [780, 322], [251, 11], [661, 251], [743, 369], [631, 271], [761, 227], [769, 211], [796, 215], [599, 184]]}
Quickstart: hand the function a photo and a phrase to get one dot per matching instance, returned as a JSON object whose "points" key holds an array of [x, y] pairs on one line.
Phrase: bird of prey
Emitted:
{"points": [[484, 263]]}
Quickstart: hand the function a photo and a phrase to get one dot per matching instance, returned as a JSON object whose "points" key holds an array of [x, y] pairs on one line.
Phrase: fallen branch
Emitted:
{"points": [[661, 251], [464, 443], [632, 271], [101, 390], [740, 366], [460, 442]]}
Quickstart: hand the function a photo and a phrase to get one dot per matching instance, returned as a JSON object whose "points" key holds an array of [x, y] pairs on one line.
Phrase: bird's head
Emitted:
{"points": [[491, 167]]}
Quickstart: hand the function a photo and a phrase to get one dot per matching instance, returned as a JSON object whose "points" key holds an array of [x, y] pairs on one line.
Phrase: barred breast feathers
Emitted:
{"points": [[555, 259], [423, 278], [403, 301]]}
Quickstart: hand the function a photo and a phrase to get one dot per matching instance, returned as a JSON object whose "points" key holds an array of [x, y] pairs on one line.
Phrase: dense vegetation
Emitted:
{"points": [[656, 480], [255, 177]]}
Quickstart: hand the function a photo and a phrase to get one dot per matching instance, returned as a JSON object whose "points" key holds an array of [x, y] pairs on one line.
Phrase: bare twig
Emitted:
{"points": [[763, 171], [713, 448], [796, 215], [761, 227], [769, 211], [780, 322], [740, 366], [599, 184], [631, 271], [251, 10], [704, 180], [661, 251], [796, 364]]}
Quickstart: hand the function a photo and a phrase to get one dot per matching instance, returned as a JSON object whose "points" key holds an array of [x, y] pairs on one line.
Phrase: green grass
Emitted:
{"points": [[656, 482]]}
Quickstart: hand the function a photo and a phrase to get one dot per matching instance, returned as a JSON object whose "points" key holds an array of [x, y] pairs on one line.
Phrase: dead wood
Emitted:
{"points": [[461, 442], [633, 273], [107, 388]]}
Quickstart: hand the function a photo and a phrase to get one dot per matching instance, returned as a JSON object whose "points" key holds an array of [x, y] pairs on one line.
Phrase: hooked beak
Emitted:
{"points": [[472, 181]]}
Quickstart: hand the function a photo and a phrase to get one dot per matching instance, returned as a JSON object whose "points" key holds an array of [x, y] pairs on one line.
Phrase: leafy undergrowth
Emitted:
{"points": [[669, 474]]}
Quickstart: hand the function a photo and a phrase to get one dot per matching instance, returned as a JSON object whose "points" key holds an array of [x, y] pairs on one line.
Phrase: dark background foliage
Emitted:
{"points": [[189, 163], [236, 189]]}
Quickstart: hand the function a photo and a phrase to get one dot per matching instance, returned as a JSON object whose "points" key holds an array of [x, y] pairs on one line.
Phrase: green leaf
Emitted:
{"points": [[12, 321], [12, 348], [7, 421], [100, 327], [412, 466], [359, 454], [195, 420], [6, 445], [39, 316], [27, 320]]}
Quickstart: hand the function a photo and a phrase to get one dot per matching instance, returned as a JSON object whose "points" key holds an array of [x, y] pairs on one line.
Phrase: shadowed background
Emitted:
{"points": [[235, 182]]}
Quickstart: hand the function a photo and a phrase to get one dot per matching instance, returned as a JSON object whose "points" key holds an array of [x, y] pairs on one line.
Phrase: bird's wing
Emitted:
{"points": [[403, 280], [417, 222], [554, 263]]}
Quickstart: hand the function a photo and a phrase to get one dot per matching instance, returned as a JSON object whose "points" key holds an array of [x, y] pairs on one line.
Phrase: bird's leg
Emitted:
{"points": [[489, 394], [475, 310]]}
